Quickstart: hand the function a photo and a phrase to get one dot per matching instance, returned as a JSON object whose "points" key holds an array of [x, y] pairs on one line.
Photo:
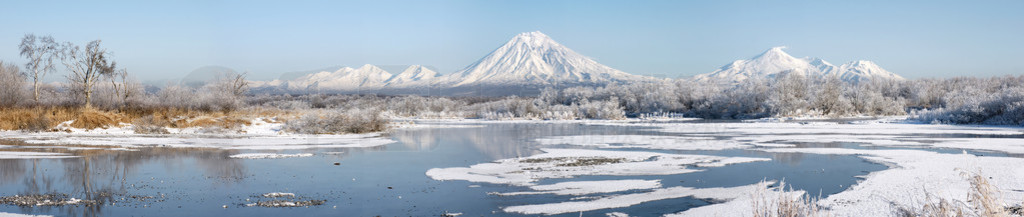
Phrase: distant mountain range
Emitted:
{"points": [[531, 61], [523, 65], [774, 61]]}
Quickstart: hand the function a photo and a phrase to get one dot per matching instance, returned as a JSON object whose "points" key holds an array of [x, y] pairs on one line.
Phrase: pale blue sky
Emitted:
{"points": [[665, 38]]}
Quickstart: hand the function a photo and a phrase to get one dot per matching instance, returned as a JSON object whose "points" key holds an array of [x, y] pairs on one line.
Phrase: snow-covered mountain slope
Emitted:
{"points": [[344, 79], [533, 58], [767, 64], [774, 61], [864, 70], [414, 76]]}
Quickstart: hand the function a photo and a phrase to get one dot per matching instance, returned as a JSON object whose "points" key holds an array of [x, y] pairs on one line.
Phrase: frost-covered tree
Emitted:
{"points": [[87, 66], [12, 84], [789, 95], [40, 51], [829, 98], [125, 90]]}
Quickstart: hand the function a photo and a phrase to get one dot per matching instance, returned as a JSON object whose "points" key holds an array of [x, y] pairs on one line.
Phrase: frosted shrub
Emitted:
{"points": [[508, 108], [339, 122], [177, 97], [601, 110], [560, 112], [424, 107], [1004, 108]]}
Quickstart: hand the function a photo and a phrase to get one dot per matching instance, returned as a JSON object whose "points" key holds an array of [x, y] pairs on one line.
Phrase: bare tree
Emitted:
{"points": [[124, 86], [87, 66], [237, 84], [41, 51]]}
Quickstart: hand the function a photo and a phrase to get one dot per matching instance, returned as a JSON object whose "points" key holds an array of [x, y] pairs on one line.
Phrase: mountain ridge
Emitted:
{"points": [[775, 61], [529, 60]]}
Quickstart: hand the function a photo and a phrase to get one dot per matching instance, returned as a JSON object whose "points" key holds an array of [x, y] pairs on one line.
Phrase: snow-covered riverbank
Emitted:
{"points": [[922, 167]]}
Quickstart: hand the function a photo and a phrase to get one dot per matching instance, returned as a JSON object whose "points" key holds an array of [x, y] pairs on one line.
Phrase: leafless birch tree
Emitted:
{"points": [[41, 51]]}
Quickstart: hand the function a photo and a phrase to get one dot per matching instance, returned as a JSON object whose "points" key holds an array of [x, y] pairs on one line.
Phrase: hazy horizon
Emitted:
{"points": [[158, 41]]}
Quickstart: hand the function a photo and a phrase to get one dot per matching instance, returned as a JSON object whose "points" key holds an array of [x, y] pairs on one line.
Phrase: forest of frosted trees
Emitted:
{"points": [[961, 100]]}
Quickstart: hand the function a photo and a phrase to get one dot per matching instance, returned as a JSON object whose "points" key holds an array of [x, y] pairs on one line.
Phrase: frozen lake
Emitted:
{"points": [[486, 169]]}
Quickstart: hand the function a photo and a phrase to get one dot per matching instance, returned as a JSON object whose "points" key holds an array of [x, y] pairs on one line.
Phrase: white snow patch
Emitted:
{"points": [[858, 128], [626, 200], [260, 126], [7, 214], [269, 155], [262, 134], [773, 145], [252, 142]]}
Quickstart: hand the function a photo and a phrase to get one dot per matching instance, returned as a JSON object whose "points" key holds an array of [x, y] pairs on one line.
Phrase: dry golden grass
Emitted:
{"points": [[780, 202], [46, 118], [91, 119], [38, 118], [985, 197]]}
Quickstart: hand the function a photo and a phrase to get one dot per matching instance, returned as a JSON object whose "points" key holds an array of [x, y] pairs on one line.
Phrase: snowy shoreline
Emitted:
{"points": [[915, 168]]}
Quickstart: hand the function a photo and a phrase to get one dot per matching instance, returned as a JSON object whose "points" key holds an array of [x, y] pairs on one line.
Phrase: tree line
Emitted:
{"points": [[94, 79]]}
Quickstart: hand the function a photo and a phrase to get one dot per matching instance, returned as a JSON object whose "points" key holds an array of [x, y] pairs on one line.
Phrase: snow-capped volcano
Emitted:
{"points": [[774, 61], [533, 58]]}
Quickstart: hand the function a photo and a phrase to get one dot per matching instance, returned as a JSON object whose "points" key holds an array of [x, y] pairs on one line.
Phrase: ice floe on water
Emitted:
{"points": [[616, 214], [626, 200], [567, 163], [278, 194], [282, 199], [588, 187], [1008, 145], [645, 141], [32, 155], [268, 155]]}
